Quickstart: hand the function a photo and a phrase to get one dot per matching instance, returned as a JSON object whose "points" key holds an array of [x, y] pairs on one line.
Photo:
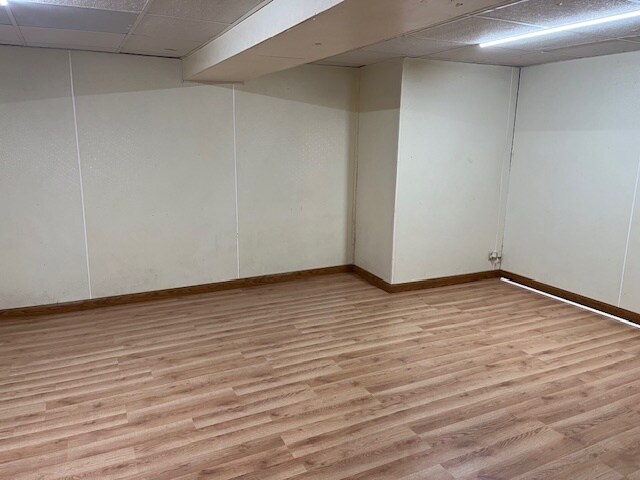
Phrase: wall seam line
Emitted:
{"points": [[395, 193], [235, 180], [513, 142], [84, 214], [629, 231], [354, 206], [503, 163]]}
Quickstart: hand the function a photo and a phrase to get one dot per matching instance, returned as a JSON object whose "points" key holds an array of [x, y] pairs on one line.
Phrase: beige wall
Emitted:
{"points": [[378, 124], [295, 137], [434, 143], [456, 125], [42, 248], [158, 163], [630, 291], [158, 174], [119, 178], [573, 178]]}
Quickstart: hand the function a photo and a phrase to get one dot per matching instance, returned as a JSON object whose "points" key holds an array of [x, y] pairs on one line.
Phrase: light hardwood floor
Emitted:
{"points": [[326, 378]]}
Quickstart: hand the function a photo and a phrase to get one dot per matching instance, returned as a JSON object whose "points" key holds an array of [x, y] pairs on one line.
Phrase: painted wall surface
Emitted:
{"points": [[574, 171], [456, 126], [158, 174], [630, 291], [378, 127], [157, 160], [42, 251], [295, 135]]}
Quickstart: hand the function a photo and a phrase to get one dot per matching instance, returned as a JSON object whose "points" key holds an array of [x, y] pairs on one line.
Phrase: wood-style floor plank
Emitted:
{"points": [[326, 378]]}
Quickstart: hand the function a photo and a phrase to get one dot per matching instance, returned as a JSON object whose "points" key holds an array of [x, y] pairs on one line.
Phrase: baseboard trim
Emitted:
{"points": [[573, 297], [79, 305], [424, 284]]}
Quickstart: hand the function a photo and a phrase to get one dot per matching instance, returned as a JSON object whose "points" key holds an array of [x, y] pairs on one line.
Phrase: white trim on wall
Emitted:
{"points": [[354, 183], [235, 177], [509, 141], [84, 215], [629, 231], [395, 186]]}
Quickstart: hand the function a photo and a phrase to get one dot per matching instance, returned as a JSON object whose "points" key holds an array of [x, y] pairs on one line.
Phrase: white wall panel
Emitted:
{"points": [[378, 124], [456, 125], [630, 292], [576, 152], [42, 254], [295, 155], [157, 161]]}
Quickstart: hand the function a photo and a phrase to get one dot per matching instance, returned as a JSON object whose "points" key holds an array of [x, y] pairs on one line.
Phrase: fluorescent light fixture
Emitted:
{"points": [[562, 28], [4, 3]]}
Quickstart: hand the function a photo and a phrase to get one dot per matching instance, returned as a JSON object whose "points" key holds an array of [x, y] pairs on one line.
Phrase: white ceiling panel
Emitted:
{"points": [[163, 47], [473, 30], [548, 13], [357, 58], [498, 56], [121, 5], [182, 28], [75, 39], [411, 46], [624, 28], [600, 48], [4, 18], [537, 58], [224, 11], [72, 18], [475, 54], [9, 36]]}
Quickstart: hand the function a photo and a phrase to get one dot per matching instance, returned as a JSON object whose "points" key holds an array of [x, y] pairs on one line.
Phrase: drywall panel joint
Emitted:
{"points": [[511, 132], [84, 214], [235, 179], [626, 250]]}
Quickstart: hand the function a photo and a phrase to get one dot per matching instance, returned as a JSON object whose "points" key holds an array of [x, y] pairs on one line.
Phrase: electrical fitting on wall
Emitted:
{"points": [[495, 258]]}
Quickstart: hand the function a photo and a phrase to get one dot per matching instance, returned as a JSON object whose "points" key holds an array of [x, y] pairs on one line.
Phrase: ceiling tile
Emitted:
{"points": [[8, 35], [76, 39], [224, 11], [474, 30], [72, 18], [475, 54], [357, 58], [165, 47], [186, 29], [4, 18], [122, 5], [599, 48], [411, 46], [623, 28], [537, 58], [548, 13]]}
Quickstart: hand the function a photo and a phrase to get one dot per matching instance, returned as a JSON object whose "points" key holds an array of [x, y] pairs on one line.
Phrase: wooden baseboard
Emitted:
{"points": [[423, 284], [573, 297], [76, 306], [374, 280]]}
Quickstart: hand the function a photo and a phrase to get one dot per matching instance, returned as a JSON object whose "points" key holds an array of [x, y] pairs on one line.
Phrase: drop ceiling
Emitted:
{"points": [[457, 40], [168, 28], [174, 28]]}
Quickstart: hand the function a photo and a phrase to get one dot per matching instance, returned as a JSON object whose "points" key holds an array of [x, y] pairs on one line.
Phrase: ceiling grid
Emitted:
{"points": [[175, 28]]}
